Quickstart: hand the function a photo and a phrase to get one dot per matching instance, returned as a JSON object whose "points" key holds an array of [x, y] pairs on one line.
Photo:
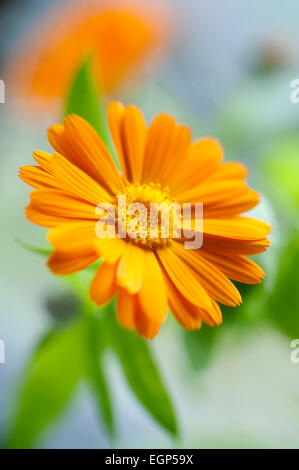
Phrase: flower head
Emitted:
{"points": [[117, 36], [149, 272]]}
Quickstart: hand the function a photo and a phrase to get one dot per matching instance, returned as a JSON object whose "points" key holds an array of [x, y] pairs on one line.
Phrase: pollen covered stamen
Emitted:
{"points": [[148, 213], [147, 193]]}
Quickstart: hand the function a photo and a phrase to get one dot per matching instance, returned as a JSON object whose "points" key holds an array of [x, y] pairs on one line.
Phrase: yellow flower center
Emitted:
{"points": [[147, 215]]}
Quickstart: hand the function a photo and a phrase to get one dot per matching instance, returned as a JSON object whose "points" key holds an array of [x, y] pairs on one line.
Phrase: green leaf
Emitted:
{"points": [[141, 371], [95, 344], [283, 303], [33, 248], [49, 382], [199, 346], [283, 173], [84, 101]]}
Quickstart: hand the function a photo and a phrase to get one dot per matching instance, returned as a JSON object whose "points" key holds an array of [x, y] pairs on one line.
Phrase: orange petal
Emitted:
{"points": [[182, 277], [130, 269], [166, 143], [214, 193], [185, 312], [213, 316], [131, 315], [126, 310], [233, 206], [241, 229], [145, 326], [200, 160], [221, 198], [115, 113], [120, 36], [45, 220], [134, 132], [188, 283], [81, 145], [56, 203], [70, 262], [218, 286], [139, 272], [229, 171], [152, 295], [103, 286], [238, 268], [110, 249], [58, 139], [78, 236], [230, 247], [37, 177], [78, 183], [237, 228], [74, 249], [44, 160]]}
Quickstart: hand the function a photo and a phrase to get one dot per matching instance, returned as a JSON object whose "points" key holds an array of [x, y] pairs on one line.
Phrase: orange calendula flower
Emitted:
{"points": [[158, 164], [116, 35]]}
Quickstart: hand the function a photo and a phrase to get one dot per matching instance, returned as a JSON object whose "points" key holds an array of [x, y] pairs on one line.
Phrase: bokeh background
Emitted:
{"points": [[226, 72]]}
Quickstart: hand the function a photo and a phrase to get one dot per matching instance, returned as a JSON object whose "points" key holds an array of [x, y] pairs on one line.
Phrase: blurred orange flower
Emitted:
{"points": [[117, 36], [158, 164]]}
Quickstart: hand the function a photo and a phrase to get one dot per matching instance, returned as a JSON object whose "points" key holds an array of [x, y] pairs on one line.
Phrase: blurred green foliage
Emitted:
{"points": [[282, 305], [81, 100], [75, 353], [281, 165], [199, 346], [49, 380], [141, 371], [34, 249], [84, 100]]}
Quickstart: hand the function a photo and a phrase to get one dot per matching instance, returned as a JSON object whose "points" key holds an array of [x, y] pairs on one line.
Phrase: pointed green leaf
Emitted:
{"points": [[84, 101], [95, 345], [283, 302], [141, 371], [34, 248], [199, 346], [282, 183], [49, 382]]}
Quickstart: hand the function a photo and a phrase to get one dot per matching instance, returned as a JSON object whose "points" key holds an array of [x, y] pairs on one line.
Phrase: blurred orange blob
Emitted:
{"points": [[117, 36]]}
